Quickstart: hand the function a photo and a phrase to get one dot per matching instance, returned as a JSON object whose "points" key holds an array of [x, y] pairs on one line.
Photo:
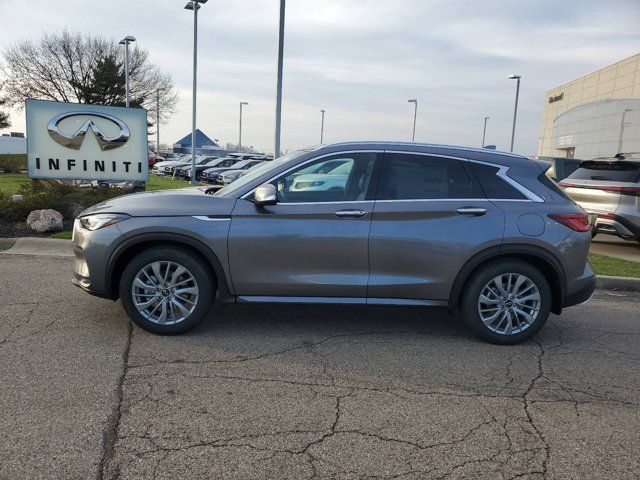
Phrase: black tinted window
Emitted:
{"points": [[408, 177], [495, 187], [607, 171]]}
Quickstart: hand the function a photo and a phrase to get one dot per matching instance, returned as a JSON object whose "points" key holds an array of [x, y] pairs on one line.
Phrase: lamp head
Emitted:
{"points": [[127, 39], [514, 76], [413, 100]]}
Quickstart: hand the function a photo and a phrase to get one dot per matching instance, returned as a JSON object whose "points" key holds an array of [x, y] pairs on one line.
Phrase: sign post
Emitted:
{"points": [[86, 142]]}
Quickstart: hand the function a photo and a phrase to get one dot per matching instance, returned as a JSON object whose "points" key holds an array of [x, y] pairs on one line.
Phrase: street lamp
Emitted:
{"points": [[195, 6], [158, 119], [515, 109], [322, 128], [484, 130], [276, 150], [240, 135], [415, 115], [126, 41]]}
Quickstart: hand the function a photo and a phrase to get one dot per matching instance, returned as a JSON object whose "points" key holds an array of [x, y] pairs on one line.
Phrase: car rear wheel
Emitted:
{"points": [[506, 302], [166, 291]]}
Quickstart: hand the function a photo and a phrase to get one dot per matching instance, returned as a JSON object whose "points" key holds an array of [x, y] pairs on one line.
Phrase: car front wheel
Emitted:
{"points": [[506, 302], [166, 291]]}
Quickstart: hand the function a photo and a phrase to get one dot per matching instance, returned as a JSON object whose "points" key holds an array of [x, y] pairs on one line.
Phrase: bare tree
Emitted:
{"points": [[4, 117], [72, 67]]}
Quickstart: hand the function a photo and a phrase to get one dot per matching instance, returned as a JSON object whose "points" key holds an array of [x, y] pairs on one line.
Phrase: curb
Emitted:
{"points": [[618, 283], [49, 247]]}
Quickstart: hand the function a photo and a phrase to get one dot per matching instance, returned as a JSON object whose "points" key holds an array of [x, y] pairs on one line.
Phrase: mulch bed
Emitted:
{"points": [[20, 229]]}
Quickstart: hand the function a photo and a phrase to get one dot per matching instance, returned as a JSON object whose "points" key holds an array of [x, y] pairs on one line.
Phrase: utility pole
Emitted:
{"points": [[276, 152]]}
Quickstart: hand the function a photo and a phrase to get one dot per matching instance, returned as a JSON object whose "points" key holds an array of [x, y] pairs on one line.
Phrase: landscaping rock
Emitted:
{"points": [[45, 220], [16, 198]]}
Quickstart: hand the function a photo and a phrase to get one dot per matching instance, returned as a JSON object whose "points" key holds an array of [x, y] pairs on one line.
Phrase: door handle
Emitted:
{"points": [[473, 211], [350, 213]]}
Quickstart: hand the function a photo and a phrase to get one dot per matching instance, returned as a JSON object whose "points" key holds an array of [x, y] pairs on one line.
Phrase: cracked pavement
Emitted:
{"points": [[301, 392]]}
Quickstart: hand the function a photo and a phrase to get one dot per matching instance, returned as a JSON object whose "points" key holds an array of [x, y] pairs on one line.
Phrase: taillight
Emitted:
{"points": [[633, 191], [575, 221]]}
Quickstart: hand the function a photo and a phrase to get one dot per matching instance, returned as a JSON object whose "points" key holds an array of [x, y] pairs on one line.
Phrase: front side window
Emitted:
{"points": [[338, 178], [421, 177]]}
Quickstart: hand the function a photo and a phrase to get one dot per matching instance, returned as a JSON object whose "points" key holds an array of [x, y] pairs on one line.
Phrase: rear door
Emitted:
{"points": [[429, 218]]}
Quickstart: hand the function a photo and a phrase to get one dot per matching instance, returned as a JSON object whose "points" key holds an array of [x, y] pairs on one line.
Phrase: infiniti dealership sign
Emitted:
{"points": [[86, 142]]}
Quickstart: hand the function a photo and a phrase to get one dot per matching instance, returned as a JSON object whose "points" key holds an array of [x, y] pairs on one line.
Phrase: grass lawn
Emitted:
{"points": [[10, 182], [614, 267], [159, 182], [64, 235]]}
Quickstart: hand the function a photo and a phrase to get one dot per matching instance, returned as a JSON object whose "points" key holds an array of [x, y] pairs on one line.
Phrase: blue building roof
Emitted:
{"points": [[201, 140]]}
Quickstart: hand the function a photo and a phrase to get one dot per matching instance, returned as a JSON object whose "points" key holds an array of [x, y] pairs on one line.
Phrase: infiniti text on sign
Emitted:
{"points": [[86, 142]]}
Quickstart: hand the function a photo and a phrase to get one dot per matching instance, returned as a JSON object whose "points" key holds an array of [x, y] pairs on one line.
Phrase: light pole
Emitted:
{"points": [[158, 119], [240, 135], [276, 149], [415, 116], [322, 128], [195, 6], [484, 130], [126, 41], [515, 109]]}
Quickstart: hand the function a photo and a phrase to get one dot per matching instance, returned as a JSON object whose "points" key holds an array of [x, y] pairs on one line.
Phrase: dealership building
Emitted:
{"points": [[594, 116]]}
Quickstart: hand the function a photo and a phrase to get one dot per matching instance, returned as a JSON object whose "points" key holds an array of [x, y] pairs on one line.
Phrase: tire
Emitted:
{"points": [[194, 290], [497, 331]]}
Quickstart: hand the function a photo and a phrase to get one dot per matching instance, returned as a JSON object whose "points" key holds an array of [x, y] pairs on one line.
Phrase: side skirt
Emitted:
{"points": [[341, 300]]}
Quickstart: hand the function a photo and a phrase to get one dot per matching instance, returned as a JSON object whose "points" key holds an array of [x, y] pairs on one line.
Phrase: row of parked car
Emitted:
{"points": [[219, 171]]}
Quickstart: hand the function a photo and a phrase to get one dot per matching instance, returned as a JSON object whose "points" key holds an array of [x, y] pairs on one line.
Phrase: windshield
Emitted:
{"points": [[259, 171]]}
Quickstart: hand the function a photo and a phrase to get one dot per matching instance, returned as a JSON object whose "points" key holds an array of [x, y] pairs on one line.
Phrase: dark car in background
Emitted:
{"points": [[213, 175], [185, 171], [484, 233]]}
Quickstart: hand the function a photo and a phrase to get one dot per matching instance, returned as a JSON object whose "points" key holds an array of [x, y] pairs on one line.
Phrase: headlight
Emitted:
{"points": [[100, 220]]}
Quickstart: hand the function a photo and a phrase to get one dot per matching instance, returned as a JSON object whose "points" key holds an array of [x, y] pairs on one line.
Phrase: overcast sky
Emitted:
{"points": [[360, 60]]}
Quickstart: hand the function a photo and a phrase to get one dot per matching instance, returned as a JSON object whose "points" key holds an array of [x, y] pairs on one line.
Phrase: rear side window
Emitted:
{"points": [[495, 187], [415, 177], [607, 171]]}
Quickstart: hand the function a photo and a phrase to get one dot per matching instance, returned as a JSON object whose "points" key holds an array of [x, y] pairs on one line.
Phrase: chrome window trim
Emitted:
{"points": [[243, 197], [502, 173]]}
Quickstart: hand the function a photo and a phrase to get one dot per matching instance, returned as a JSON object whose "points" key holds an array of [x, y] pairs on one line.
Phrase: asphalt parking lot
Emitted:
{"points": [[308, 392]]}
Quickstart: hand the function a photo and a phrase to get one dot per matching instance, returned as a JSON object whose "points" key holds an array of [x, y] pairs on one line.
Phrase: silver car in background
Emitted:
{"points": [[481, 232], [610, 191]]}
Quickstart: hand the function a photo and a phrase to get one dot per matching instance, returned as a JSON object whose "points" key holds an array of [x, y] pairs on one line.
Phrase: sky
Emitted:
{"points": [[360, 60]]}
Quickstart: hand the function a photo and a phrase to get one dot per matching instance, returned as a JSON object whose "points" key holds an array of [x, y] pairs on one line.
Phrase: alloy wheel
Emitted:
{"points": [[165, 292], [509, 303]]}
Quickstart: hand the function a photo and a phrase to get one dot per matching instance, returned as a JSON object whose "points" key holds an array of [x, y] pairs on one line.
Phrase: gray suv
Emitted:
{"points": [[477, 231]]}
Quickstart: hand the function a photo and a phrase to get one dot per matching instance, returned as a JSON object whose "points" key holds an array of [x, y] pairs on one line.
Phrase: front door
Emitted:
{"points": [[314, 241]]}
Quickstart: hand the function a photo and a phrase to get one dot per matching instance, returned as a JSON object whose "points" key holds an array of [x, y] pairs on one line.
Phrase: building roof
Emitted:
{"points": [[201, 140]]}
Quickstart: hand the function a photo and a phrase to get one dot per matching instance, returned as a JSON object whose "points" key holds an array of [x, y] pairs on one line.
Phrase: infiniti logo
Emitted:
{"points": [[75, 140]]}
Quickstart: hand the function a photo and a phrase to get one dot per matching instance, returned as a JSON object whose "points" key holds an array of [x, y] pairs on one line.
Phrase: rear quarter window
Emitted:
{"points": [[495, 187]]}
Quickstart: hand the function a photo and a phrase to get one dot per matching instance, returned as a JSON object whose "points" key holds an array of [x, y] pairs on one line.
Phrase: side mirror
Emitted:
{"points": [[265, 195]]}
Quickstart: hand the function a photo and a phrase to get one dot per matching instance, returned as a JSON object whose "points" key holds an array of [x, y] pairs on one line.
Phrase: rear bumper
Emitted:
{"points": [[582, 295], [617, 225]]}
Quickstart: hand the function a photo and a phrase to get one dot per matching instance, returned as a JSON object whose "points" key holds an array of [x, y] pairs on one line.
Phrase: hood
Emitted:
{"points": [[166, 203]]}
